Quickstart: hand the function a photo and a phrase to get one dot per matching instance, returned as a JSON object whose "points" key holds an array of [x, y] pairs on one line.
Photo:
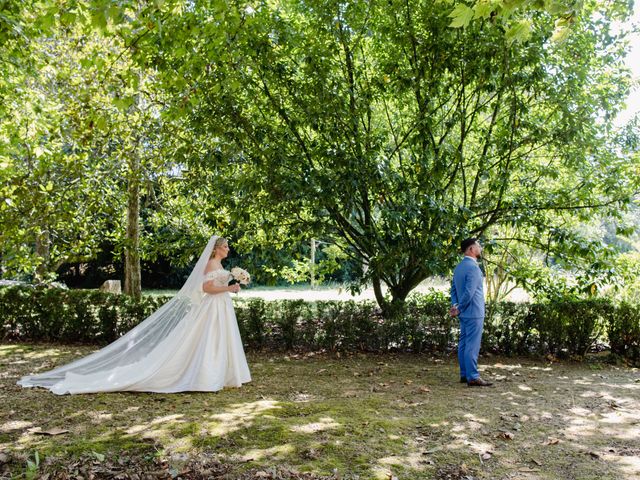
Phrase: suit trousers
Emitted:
{"points": [[469, 346]]}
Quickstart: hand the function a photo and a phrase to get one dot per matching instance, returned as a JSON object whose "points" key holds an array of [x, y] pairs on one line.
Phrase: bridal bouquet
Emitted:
{"points": [[238, 275]]}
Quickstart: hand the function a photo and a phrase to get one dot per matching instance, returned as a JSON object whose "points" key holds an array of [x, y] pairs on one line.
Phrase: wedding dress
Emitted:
{"points": [[192, 343]]}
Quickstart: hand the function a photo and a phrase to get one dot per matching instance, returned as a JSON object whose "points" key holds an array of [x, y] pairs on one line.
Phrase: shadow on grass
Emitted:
{"points": [[363, 416]]}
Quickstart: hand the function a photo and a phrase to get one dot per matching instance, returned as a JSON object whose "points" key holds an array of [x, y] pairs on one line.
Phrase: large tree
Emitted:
{"points": [[379, 124], [83, 145], [59, 193], [393, 128]]}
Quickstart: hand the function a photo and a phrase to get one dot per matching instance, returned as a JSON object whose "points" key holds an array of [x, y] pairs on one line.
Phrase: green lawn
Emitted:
{"points": [[358, 416]]}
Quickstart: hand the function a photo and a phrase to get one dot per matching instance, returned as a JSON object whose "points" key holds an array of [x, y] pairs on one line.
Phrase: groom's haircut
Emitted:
{"points": [[466, 243]]}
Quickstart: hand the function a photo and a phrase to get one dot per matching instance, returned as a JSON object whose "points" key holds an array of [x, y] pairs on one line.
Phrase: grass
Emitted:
{"points": [[303, 289], [356, 416]]}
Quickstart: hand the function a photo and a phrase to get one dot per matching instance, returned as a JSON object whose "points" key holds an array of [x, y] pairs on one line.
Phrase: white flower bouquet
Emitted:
{"points": [[238, 275]]}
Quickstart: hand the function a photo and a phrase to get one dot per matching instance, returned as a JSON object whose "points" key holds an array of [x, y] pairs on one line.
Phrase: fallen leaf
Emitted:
{"points": [[432, 450], [424, 389], [408, 382], [506, 435], [552, 441], [486, 455]]}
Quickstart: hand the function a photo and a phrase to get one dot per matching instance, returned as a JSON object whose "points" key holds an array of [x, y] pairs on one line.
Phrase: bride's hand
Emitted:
{"points": [[235, 288]]}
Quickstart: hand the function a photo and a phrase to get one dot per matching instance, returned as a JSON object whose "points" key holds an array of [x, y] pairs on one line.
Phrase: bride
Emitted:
{"points": [[191, 343]]}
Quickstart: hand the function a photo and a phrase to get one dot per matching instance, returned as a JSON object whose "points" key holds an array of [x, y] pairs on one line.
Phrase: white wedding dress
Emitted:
{"points": [[192, 343]]}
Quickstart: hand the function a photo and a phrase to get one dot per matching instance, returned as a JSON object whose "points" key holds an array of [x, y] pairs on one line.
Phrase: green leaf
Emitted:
{"points": [[519, 32], [483, 9], [99, 456], [100, 123], [560, 34], [99, 19], [510, 6], [461, 15]]}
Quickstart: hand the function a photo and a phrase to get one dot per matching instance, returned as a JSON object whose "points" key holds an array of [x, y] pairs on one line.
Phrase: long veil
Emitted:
{"points": [[139, 341]]}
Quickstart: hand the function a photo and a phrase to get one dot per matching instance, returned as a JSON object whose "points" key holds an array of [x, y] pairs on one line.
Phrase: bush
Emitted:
{"points": [[559, 327], [623, 331], [510, 329], [85, 316]]}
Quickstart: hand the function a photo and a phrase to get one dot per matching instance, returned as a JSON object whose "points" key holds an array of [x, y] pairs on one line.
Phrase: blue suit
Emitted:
{"points": [[468, 293]]}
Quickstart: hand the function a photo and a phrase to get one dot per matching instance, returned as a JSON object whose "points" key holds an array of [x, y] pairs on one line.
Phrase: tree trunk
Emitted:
{"points": [[382, 301], [44, 254], [132, 278], [312, 264]]}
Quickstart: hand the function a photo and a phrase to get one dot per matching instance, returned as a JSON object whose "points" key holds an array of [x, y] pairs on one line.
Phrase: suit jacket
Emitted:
{"points": [[467, 290]]}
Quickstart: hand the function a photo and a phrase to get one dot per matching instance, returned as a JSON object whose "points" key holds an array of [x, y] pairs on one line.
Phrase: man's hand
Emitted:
{"points": [[453, 311]]}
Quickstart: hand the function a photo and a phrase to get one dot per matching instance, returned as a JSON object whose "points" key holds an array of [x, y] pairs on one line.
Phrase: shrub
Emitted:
{"points": [[623, 331], [87, 316], [561, 327]]}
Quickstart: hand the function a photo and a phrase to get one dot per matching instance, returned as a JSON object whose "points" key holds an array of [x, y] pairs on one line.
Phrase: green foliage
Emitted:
{"points": [[33, 466], [391, 130], [52, 314], [329, 260], [514, 16], [623, 331], [563, 328], [379, 127], [627, 268], [566, 327]]}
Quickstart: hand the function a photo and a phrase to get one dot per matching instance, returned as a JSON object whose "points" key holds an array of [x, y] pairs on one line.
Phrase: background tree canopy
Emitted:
{"points": [[391, 130]]}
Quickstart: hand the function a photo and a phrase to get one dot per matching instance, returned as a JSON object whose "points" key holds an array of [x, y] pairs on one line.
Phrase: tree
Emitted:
{"points": [[58, 194], [83, 144], [379, 125]]}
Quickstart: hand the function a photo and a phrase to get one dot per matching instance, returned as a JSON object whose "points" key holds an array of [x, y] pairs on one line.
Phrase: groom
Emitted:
{"points": [[467, 303]]}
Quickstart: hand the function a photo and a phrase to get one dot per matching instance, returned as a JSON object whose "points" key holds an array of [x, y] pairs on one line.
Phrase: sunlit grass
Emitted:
{"points": [[364, 415]]}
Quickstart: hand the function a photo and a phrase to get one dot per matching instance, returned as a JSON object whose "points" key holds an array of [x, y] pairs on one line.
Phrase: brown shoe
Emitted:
{"points": [[478, 382]]}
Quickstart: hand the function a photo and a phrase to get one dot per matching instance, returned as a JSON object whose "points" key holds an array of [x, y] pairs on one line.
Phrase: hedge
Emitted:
{"points": [[561, 328]]}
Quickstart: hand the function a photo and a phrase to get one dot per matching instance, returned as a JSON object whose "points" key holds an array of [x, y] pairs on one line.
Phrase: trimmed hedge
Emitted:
{"points": [[83, 316], [561, 328]]}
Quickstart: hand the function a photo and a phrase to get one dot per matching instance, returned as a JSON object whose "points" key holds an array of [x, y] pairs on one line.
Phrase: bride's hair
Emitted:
{"points": [[219, 242]]}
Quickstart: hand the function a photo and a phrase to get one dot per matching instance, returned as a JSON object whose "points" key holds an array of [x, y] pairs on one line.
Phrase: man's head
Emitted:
{"points": [[471, 247]]}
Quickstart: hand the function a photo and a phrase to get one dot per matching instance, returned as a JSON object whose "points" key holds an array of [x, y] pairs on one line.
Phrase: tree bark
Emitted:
{"points": [[133, 279], [44, 253], [312, 264], [377, 290]]}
